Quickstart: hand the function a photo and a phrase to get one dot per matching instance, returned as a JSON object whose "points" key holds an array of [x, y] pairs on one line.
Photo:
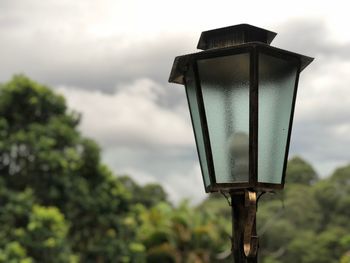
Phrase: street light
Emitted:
{"points": [[241, 94]]}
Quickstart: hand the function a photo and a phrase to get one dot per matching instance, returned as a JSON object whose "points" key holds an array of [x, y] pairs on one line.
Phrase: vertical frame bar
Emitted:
{"points": [[253, 116], [291, 123], [204, 124], [194, 133]]}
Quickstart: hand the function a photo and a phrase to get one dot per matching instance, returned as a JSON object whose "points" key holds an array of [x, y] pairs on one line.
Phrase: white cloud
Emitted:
{"points": [[130, 116], [179, 186], [140, 176], [130, 125], [324, 92], [186, 186], [321, 123], [139, 19]]}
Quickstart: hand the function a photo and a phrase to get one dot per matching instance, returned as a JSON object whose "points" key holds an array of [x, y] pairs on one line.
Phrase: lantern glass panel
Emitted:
{"points": [[196, 123], [277, 78], [225, 88]]}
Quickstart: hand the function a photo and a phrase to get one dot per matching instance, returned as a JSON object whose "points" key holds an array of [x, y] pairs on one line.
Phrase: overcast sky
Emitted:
{"points": [[111, 59]]}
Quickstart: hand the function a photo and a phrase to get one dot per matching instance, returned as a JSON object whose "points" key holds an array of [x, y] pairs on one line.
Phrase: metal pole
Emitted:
{"points": [[255, 258], [237, 203], [239, 213]]}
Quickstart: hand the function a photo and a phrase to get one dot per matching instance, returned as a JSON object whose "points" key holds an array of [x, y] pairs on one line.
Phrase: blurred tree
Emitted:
{"points": [[13, 252], [29, 232], [345, 258], [333, 196], [41, 149], [308, 211], [147, 195], [300, 172], [45, 236], [180, 234], [301, 208]]}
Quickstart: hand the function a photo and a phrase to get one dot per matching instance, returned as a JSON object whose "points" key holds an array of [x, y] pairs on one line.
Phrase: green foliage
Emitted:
{"points": [[309, 222], [31, 232], [300, 172], [45, 235], [179, 234], [148, 195], [13, 252], [345, 258], [333, 195], [49, 169], [23, 102]]}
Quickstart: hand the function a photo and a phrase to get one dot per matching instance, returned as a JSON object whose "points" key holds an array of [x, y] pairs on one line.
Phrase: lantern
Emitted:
{"points": [[241, 94]]}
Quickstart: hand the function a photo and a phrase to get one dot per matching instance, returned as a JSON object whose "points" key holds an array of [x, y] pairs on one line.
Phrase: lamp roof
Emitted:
{"points": [[234, 35], [226, 39]]}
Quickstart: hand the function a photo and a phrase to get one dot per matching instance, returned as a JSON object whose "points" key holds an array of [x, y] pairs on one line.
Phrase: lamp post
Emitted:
{"points": [[241, 94]]}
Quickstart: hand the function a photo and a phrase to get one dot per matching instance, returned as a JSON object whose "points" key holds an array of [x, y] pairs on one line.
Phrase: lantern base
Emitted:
{"points": [[241, 187]]}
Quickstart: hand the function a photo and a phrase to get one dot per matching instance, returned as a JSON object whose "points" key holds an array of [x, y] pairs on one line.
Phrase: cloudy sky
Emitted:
{"points": [[112, 58]]}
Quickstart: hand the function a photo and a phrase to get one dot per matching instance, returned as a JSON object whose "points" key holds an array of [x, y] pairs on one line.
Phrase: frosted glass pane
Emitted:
{"points": [[276, 88], [225, 88], [192, 101]]}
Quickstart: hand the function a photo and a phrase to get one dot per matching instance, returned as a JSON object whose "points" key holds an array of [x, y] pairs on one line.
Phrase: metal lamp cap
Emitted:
{"points": [[234, 35]]}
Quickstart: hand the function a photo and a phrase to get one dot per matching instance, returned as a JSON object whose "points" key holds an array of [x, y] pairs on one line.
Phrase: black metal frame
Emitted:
{"points": [[204, 125], [214, 186], [253, 117], [286, 55], [291, 118], [181, 63], [195, 136], [254, 49]]}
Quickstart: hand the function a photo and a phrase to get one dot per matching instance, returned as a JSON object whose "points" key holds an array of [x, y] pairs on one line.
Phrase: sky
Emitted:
{"points": [[112, 59]]}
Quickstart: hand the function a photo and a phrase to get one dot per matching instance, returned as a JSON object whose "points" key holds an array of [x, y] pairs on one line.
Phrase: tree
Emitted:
{"points": [[180, 234], [148, 195], [30, 232], [333, 195], [13, 252], [42, 150], [300, 172]]}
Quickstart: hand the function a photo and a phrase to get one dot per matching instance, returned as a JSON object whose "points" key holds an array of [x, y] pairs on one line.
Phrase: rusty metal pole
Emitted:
{"points": [[239, 222], [237, 203], [253, 259]]}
